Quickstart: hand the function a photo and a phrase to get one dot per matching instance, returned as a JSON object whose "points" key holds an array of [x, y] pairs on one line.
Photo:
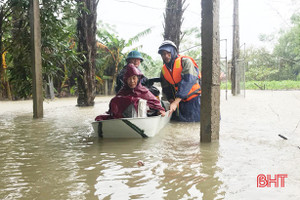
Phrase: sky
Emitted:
{"points": [[256, 17]]}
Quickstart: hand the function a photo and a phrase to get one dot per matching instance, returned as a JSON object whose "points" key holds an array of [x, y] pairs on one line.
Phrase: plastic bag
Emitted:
{"points": [[142, 108]]}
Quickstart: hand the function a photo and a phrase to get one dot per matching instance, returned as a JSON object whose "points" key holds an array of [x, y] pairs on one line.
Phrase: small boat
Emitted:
{"points": [[140, 127]]}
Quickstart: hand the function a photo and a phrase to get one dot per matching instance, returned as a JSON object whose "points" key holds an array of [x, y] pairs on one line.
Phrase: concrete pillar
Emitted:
{"points": [[236, 75], [37, 81], [210, 99]]}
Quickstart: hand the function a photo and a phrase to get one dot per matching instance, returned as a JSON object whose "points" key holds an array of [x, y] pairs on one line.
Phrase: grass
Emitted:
{"points": [[267, 85]]}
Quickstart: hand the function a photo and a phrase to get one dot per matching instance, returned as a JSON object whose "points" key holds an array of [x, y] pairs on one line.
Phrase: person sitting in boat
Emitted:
{"points": [[136, 59], [125, 103]]}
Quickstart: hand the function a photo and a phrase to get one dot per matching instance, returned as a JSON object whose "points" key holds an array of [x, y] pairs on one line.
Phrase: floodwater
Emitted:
{"points": [[58, 157]]}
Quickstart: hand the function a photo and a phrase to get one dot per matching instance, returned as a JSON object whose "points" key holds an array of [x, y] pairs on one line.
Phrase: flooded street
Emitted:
{"points": [[58, 157]]}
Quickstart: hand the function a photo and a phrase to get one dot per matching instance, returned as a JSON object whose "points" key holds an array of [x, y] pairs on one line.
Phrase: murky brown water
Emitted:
{"points": [[57, 158]]}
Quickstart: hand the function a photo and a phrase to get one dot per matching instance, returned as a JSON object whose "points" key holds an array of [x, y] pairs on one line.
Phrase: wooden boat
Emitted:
{"points": [[141, 127]]}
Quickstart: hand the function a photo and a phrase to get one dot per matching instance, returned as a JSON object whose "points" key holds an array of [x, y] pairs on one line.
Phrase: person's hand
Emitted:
{"points": [[174, 105], [162, 112]]}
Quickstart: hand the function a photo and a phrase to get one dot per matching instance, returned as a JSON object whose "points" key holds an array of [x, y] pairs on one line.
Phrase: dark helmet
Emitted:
{"points": [[134, 54], [166, 46]]}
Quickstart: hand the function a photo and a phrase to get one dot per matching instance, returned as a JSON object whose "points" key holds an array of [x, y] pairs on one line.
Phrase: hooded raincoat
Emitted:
{"points": [[130, 97], [144, 81]]}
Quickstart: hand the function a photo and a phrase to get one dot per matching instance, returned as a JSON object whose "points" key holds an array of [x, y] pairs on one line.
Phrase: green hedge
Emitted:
{"points": [[267, 85]]}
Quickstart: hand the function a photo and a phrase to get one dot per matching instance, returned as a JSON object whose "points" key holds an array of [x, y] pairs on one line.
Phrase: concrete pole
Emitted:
{"points": [[235, 72], [37, 81], [210, 99]]}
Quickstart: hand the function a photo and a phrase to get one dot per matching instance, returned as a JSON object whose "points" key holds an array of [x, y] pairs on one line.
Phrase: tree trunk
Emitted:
{"points": [[49, 89], [2, 83], [173, 21], [86, 31]]}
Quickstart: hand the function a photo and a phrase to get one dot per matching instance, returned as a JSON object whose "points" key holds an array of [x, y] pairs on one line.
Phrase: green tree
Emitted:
{"points": [[5, 13], [59, 40], [56, 34], [288, 51], [261, 64], [19, 47]]}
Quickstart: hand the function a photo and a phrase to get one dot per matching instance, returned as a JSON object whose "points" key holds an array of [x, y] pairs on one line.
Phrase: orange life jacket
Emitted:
{"points": [[174, 77]]}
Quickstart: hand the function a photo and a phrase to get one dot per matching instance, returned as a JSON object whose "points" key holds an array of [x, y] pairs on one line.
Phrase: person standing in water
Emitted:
{"points": [[180, 81]]}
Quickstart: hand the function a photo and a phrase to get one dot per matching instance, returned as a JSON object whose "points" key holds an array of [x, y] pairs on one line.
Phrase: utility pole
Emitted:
{"points": [[37, 81], [210, 97], [235, 72]]}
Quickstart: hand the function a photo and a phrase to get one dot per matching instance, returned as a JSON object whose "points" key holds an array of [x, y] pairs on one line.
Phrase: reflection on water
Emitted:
{"points": [[57, 158], [175, 167]]}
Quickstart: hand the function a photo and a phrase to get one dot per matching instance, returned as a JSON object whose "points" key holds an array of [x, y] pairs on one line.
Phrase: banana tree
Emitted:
{"points": [[115, 56]]}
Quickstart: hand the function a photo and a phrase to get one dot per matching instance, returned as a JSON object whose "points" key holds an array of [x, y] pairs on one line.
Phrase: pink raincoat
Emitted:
{"points": [[127, 96]]}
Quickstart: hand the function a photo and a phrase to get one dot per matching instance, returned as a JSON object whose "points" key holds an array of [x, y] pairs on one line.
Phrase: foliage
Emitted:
{"points": [[281, 64], [267, 85], [153, 68], [288, 50], [57, 33], [17, 43], [59, 40], [280, 69], [261, 64], [110, 47], [191, 44], [60, 59]]}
